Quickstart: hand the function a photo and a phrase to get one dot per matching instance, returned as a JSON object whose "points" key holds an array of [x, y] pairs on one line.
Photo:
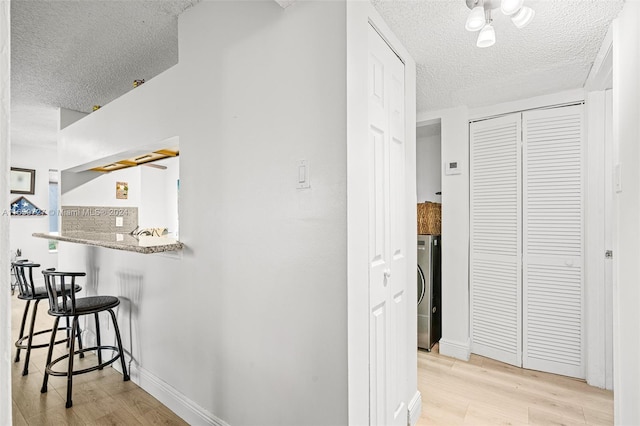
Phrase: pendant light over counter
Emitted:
{"points": [[479, 18]]}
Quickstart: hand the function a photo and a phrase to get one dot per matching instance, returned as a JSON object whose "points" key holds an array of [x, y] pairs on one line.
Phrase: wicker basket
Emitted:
{"points": [[429, 218]]}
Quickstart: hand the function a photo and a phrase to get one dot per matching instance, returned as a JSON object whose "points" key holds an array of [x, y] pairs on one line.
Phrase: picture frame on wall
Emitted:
{"points": [[22, 181]]}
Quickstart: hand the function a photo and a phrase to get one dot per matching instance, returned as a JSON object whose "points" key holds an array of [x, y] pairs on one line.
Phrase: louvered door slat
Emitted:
{"points": [[553, 241], [496, 239]]}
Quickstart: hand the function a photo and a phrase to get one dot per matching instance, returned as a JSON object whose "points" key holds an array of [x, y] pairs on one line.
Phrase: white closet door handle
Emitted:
{"points": [[387, 273]]}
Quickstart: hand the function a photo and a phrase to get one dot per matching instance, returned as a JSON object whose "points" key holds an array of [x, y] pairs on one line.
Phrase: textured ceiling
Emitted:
{"points": [[79, 53], [553, 53]]}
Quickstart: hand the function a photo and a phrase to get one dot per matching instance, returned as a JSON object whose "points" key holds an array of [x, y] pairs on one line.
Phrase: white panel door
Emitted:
{"points": [[553, 309], [495, 268], [387, 242]]}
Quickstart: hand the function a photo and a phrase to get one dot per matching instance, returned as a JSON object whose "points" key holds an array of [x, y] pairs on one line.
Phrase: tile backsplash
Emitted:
{"points": [[98, 219]]}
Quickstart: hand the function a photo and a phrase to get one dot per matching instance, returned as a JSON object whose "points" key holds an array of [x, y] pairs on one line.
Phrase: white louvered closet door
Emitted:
{"points": [[553, 310], [496, 238]]}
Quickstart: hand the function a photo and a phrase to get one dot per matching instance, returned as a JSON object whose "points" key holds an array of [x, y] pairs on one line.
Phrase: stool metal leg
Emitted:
{"points": [[98, 339], [79, 335], [49, 355], [25, 370], [69, 331], [22, 324], [125, 374], [72, 343]]}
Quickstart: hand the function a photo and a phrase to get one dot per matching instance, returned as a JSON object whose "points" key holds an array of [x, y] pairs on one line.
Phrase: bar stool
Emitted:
{"points": [[63, 303], [27, 290]]}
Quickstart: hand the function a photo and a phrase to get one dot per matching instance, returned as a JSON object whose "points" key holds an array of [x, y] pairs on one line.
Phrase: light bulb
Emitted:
{"points": [[523, 17], [509, 7], [475, 20], [487, 36]]}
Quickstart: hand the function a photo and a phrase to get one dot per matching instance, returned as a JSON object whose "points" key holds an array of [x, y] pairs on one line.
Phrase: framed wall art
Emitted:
{"points": [[22, 181]]}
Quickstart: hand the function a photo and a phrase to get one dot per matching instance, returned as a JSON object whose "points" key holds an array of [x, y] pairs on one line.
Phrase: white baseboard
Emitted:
{"points": [[415, 409], [459, 350], [188, 410]]}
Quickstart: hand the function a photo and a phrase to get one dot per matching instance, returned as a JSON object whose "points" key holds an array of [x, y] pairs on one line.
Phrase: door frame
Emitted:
{"points": [[599, 214], [359, 16]]}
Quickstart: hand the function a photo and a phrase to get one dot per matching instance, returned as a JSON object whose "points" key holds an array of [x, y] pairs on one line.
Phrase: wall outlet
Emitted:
{"points": [[119, 221]]}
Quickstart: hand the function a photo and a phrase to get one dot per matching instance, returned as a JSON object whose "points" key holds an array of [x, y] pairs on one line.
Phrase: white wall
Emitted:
{"points": [[429, 165], [101, 191], [626, 114], [455, 236], [159, 196], [455, 231], [41, 159], [249, 326], [5, 152]]}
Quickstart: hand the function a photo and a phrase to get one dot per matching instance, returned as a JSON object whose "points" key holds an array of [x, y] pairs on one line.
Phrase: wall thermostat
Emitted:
{"points": [[452, 168]]}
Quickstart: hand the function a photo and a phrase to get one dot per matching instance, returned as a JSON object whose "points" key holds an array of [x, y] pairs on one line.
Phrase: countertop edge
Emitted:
{"points": [[113, 245]]}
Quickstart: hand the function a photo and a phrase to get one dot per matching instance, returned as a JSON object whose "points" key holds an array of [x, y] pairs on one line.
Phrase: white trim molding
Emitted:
{"points": [[601, 75], [544, 101], [594, 244], [458, 350], [415, 409], [173, 399]]}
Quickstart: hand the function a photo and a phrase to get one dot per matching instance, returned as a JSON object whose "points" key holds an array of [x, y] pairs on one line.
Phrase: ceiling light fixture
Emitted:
{"points": [[476, 20], [487, 36], [523, 17], [509, 7], [479, 18]]}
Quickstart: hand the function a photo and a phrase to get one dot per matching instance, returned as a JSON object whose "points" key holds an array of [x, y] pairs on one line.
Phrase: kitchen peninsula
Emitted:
{"points": [[138, 244]]}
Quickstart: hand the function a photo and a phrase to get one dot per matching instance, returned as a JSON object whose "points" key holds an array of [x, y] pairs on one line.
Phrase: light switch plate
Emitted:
{"points": [[617, 178], [302, 167], [119, 221]]}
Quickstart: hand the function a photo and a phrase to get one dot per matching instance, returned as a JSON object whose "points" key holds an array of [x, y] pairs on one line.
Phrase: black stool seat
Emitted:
{"points": [[90, 305], [64, 304], [23, 271], [41, 293]]}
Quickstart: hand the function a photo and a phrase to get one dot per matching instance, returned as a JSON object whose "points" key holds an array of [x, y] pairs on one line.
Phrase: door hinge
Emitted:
{"points": [[608, 254]]}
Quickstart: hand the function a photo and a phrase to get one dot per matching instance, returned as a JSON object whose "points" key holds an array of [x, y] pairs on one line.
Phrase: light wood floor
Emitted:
{"points": [[99, 397], [478, 392], [487, 392]]}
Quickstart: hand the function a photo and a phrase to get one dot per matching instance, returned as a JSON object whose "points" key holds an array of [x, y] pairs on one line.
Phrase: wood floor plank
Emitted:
{"points": [[488, 392], [544, 418], [56, 416], [481, 414], [598, 417], [161, 416], [18, 418], [116, 418], [139, 403]]}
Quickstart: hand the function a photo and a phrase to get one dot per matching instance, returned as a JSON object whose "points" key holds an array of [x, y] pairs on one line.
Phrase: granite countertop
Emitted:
{"points": [[140, 244]]}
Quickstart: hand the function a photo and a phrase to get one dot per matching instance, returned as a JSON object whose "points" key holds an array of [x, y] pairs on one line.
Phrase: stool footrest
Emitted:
{"points": [[53, 372], [21, 345]]}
